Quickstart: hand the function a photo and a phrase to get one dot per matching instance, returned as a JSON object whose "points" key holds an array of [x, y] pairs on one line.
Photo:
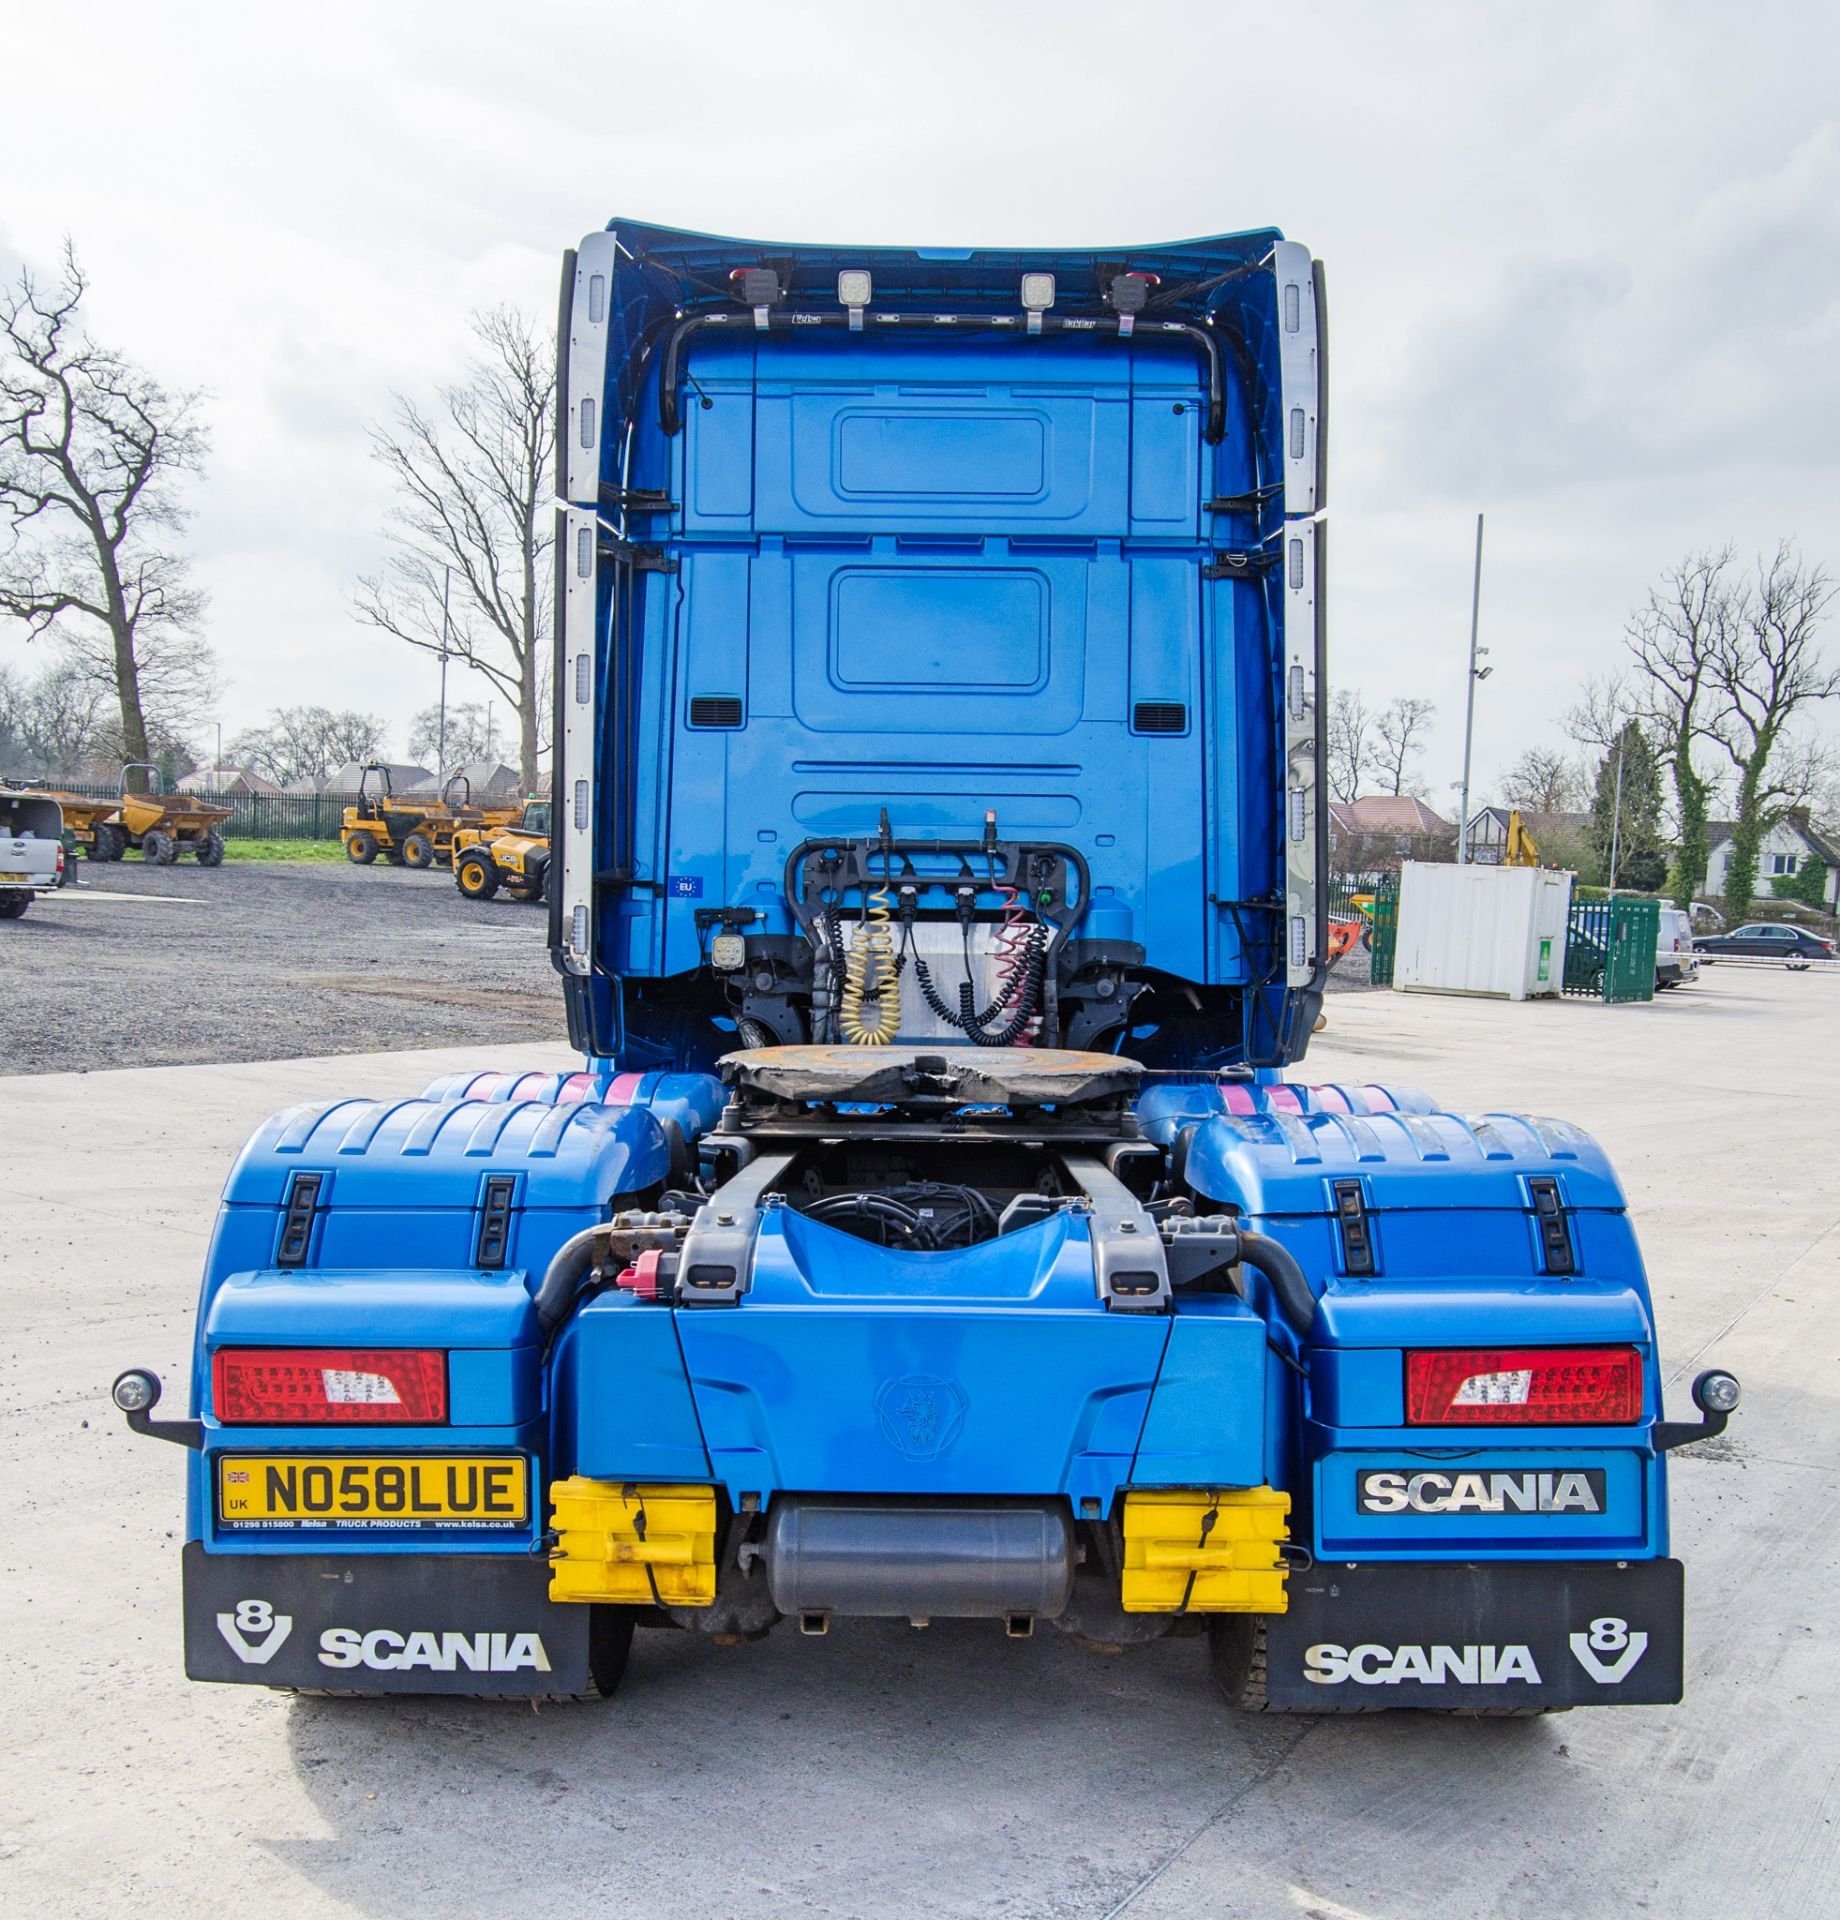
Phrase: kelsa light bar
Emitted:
{"points": [[1524, 1386], [329, 1386]]}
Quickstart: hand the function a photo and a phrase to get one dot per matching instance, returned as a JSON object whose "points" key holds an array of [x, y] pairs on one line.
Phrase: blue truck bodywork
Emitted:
{"points": [[902, 592]]}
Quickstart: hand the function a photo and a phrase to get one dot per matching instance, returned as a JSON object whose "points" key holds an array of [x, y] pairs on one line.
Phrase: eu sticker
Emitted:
{"points": [[685, 886]]}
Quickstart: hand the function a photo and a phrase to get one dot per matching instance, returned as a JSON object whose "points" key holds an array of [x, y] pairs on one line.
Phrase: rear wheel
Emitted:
{"points": [[158, 848], [360, 846], [210, 850], [109, 844], [418, 851], [1236, 1652], [476, 877], [13, 905]]}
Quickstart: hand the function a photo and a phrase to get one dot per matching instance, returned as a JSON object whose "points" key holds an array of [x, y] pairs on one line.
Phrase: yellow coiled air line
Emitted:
{"points": [[869, 974]]}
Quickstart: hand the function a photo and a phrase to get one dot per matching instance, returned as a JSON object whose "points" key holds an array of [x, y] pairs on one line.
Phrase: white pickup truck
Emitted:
{"points": [[31, 850]]}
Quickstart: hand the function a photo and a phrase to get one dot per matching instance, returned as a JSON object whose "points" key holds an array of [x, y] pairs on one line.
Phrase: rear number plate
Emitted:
{"points": [[301, 1491]]}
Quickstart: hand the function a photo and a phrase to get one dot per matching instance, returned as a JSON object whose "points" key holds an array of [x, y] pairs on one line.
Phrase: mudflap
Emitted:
{"points": [[467, 1623], [1474, 1635]]}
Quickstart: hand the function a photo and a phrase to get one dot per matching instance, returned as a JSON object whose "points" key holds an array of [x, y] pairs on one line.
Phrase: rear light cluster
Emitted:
{"points": [[329, 1386], [1524, 1387]]}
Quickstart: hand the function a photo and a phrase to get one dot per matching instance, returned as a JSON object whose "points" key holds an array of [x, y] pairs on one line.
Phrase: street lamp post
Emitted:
{"points": [[1474, 674], [440, 751]]}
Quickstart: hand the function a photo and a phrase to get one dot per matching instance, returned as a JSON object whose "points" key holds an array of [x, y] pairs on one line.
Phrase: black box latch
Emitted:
{"points": [[1352, 1223], [1555, 1228]]}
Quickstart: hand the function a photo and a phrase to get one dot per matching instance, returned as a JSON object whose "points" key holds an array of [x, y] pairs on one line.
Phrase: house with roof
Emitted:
{"points": [[1562, 833], [1374, 835], [487, 780], [224, 782], [1786, 850], [403, 778]]}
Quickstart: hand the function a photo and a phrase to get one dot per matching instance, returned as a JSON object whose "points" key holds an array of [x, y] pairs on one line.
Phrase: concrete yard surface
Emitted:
{"points": [[948, 1773]]}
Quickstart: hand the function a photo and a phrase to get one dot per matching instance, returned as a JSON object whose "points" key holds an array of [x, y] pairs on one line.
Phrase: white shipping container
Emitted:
{"points": [[1498, 931]]}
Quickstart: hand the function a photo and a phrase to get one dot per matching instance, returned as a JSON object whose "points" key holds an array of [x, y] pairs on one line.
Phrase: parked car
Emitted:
{"points": [[1766, 940], [31, 850], [1675, 960]]}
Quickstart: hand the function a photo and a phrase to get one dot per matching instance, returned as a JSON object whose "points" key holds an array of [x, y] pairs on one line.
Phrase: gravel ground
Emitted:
{"points": [[1349, 974], [270, 960], [278, 960]]}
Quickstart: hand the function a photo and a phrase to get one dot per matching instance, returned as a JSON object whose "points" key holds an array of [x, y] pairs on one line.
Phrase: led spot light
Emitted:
{"points": [[1037, 297], [854, 286]]}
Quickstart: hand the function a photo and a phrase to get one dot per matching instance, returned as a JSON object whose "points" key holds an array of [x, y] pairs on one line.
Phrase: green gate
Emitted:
{"points": [[1382, 935], [1610, 949]]}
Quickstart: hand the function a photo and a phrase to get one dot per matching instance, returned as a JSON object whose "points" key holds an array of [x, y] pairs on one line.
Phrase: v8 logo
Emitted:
{"points": [[1608, 1635], [257, 1618]]}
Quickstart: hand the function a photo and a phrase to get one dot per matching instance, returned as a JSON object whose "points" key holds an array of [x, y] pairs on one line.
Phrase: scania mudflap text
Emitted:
{"points": [[938, 888]]}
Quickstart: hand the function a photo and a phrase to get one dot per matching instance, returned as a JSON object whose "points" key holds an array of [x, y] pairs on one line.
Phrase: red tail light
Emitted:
{"points": [[1524, 1387], [329, 1386]]}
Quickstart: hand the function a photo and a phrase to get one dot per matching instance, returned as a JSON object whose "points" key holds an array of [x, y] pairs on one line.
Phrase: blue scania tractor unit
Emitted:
{"points": [[934, 1229]]}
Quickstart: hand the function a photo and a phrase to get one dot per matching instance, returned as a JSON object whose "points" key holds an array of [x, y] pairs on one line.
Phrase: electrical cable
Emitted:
{"points": [[869, 1008], [1011, 950]]}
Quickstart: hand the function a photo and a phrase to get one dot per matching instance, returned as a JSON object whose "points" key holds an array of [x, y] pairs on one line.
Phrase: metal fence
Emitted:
{"points": [[1383, 936], [1377, 909], [253, 816], [1610, 949]]}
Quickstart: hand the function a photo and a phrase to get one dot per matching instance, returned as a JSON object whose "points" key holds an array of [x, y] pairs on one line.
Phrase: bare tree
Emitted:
{"points": [[55, 724], [469, 735], [1764, 670], [1542, 780], [91, 452], [1402, 725], [1605, 705], [307, 743], [473, 493], [1673, 640], [1351, 744]]}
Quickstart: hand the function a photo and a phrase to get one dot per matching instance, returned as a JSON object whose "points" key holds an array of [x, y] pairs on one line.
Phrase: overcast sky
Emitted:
{"points": [[1584, 259]]}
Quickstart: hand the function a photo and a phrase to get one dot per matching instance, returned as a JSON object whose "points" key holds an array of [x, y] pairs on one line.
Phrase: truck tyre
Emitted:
{"points": [[418, 851], [210, 850], [158, 848], [476, 876], [109, 844], [360, 846], [13, 905], [1236, 1652]]}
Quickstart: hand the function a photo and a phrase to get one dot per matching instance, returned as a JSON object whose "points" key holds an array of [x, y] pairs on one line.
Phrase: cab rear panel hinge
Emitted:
{"points": [[640, 559], [637, 499], [1251, 502], [1239, 563]]}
